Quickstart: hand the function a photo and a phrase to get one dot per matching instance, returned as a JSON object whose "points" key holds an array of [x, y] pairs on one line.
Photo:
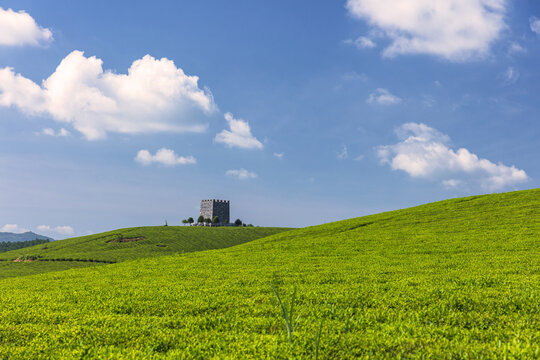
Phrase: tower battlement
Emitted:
{"points": [[216, 200], [213, 207]]}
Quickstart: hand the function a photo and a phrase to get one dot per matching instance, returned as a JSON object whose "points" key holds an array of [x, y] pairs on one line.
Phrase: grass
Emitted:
{"points": [[287, 310], [107, 247], [458, 279]]}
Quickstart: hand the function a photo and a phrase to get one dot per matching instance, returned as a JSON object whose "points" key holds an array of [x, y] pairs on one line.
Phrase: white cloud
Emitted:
{"points": [[452, 183], [510, 76], [279, 155], [163, 156], [13, 228], [62, 230], [423, 153], [241, 174], [457, 30], [359, 158], [361, 42], [534, 22], [239, 135], [155, 96], [343, 154], [50, 132], [516, 48], [383, 97], [44, 228], [19, 29]]}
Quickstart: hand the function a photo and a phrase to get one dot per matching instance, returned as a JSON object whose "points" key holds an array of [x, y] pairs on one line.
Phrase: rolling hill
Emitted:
{"points": [[453, 279], [124, 244], [26, 236]]}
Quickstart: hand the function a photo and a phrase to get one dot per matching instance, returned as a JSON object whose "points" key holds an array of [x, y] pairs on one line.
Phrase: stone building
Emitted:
{"points": [[213, 208]]}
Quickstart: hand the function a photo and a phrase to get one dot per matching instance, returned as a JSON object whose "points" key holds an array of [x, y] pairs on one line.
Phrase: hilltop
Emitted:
{"points": [[453, 279], [26, 236], [124, 244]]}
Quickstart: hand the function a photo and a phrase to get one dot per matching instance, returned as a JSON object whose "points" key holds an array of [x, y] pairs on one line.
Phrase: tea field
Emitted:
{"points": [[124, 244], [456, 279]]}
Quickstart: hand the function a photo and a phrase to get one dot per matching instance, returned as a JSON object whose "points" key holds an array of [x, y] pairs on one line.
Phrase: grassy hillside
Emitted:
{"points": [[453, 279], [125, 244]]}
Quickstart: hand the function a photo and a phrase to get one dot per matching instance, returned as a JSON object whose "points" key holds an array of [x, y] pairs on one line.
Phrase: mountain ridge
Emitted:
{"points": [[25, 236]]}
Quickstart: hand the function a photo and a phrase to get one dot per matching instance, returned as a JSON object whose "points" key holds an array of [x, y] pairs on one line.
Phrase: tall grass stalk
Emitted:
{"points": [[288, 312], [318, 340]]}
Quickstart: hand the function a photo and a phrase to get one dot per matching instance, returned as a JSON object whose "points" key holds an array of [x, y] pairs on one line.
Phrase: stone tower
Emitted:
{"points": [[213, 208]]}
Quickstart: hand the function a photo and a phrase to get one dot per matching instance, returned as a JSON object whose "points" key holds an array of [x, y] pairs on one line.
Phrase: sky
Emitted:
{"points": [[120, 114]]}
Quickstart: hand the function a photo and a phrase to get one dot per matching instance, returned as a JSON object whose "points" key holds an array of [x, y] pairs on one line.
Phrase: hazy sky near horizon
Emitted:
{"points": [[119, 114]]}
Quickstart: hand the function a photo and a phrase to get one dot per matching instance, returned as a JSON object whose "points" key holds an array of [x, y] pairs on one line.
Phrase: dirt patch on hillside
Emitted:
{"points": [[19, 260], [126, 240]]}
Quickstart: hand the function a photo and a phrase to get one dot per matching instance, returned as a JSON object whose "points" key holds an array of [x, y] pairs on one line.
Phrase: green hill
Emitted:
{"points": [[124, 244], [457, 279]]}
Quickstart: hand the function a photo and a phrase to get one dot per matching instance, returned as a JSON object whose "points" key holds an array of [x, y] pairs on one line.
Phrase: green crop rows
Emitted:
{"points": [[107, 247], [458, 279]]}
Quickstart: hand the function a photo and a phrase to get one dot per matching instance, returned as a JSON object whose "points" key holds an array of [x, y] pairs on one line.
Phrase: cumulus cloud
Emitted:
{"points": [[456, 30], [239, 134], [13, 228], [154, 96], [424, 153], [361, 42], [50, 132], [241, 174], [534, 22], [19, 29], [163, 156], [62, 229], [279, 155], [383, 97], [44, 228]]}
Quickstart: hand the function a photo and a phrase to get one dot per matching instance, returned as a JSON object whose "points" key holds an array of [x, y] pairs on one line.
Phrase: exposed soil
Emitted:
{"points": [[18, 260], [125, 240]]}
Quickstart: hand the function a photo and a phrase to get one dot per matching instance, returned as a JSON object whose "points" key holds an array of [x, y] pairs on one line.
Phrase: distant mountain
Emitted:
{"points": [[7, 236]]}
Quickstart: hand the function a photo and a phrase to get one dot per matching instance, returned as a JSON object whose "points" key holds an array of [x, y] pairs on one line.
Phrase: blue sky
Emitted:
{"points": [[117, 114]]}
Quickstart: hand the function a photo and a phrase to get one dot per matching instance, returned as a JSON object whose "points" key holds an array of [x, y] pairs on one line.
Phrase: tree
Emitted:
{"points": [[190, 220], [238, 222], [207, 220], [215, 220], [184, 221], [200, 220]]}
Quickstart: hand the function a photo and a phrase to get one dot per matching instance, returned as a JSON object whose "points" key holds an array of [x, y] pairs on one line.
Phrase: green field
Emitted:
{"points": [[457, 279], [125, 244]]}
